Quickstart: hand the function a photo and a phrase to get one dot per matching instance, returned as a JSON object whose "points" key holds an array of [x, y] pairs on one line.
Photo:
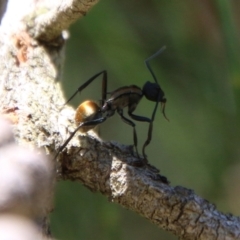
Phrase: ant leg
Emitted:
{"points": [[139, 118], [149, 138], [104, 86], [150, 128], [82, 124], [129, 122], [143, 119]]}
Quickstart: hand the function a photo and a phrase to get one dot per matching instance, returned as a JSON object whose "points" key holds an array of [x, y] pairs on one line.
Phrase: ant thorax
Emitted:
{"points": [[123, 97]]}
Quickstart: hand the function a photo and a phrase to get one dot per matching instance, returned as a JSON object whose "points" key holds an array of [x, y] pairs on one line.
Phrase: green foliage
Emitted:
{"points": [[199, 72]]}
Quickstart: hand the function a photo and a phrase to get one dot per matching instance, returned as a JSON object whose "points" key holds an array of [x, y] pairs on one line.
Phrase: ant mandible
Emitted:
{"points": [[89, 113]]}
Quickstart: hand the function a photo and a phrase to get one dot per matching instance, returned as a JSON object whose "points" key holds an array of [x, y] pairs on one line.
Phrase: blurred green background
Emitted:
{"points": [[200, 75]]}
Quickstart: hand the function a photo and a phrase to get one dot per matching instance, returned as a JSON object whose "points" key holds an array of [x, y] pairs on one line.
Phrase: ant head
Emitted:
{"points": [[154, 93], [87, 111]]}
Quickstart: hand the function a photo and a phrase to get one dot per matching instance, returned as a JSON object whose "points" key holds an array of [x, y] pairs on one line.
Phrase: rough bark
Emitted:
{"points": [[31, 58]]}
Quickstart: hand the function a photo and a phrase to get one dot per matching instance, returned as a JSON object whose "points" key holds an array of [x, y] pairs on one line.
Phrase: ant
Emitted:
{"points": [[89, 114]]}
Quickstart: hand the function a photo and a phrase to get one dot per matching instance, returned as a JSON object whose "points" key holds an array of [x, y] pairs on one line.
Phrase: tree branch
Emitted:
{"points": [[32, 99], [108, 168], [45, 20], [56, 17]]}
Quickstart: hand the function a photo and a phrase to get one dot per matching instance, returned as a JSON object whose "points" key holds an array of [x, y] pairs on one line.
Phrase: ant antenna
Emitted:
{"points": [[150, 58]]}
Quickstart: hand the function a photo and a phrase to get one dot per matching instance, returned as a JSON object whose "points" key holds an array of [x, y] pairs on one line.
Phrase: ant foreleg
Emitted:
{"points": [[150, 128], [150, 58], [104, 86]]}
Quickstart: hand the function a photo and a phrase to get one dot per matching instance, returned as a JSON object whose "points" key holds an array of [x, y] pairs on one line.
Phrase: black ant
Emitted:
{"points": [[89, 113]]}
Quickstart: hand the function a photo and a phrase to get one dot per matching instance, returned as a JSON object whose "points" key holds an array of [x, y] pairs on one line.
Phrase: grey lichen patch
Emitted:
{"points": [[118, 178]]}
